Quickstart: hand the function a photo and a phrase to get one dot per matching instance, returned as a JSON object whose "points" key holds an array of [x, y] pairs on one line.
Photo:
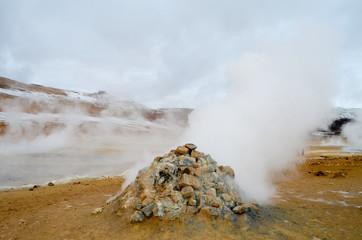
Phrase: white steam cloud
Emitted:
{"points": [[61, 139], [278, 95], [353, 132]]}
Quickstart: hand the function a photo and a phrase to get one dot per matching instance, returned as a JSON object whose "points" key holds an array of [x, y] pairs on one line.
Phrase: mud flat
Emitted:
{"points": [[319, 197]]}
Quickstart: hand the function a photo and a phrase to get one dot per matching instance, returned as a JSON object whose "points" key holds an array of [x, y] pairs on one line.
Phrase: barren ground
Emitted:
{"points": [[306, 207]]}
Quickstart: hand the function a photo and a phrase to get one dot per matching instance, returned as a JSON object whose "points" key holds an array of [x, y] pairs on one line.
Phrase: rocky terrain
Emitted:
{"points": [[306, 206], [184, 181]]}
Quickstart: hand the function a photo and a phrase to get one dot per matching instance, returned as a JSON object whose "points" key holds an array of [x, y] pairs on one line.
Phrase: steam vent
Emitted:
{"points": [[182, 182]]}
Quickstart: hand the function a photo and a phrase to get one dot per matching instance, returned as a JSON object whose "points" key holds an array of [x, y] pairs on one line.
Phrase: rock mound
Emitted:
{"points": [[182, 182]]}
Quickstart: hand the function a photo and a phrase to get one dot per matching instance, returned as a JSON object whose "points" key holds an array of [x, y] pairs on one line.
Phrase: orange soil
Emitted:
{"points": [[64, 211]]}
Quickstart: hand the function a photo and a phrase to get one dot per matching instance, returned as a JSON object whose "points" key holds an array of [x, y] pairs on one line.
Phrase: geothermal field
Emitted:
{"points": [[91, 166], [172, 119]]}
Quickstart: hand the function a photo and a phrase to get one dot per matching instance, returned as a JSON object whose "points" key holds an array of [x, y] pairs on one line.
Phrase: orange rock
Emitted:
{"points": [[189, 180], [182, 150], [187, 192], [195, 154]]}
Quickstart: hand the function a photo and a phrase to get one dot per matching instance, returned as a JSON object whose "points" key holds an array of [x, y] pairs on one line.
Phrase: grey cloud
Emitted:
{"points": [[152, 51]]}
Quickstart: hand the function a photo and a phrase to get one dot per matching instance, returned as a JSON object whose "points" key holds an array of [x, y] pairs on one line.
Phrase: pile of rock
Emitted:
{"points": [[183, 181]]}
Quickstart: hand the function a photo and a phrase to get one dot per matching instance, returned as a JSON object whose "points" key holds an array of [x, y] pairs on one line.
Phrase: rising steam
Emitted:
{"points": [[63, 140], [353, 132], [278, 96]]}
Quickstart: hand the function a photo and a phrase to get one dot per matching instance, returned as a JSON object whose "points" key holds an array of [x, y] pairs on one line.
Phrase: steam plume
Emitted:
{"points": [[277, 96]]}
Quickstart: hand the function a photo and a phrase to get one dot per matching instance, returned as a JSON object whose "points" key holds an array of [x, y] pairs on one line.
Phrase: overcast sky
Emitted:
{"points": [[169, 53]]}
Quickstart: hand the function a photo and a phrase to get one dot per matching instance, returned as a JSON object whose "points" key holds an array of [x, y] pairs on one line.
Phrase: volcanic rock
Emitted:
{"points": [[187, 192], [148, 210], [182, 150], [227, 171], [137, 217], [186, 161], [189, 180], [192, 201], [226, 213], [178, 184], [195, 154], [320, 173], [239, 209], [190, 146], [210, 211]]}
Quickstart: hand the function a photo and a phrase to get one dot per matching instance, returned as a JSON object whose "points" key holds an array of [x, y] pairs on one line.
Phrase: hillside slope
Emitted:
{"points": [[30, 110]]}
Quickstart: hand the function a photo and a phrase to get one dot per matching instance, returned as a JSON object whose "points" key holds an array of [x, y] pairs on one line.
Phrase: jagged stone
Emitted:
{"points": [[215, 176], [138, 206], [233, 193], [211, 192], [227, 214], [237, 200], [226, 197], [129, 203], [204, 200], [223, 188], [158, 210], [169, 205], [187, 170], [175, 213], [231, 204], [187, 192], [190, 146], [239, 209], [189, 180], [182, 150], [147, 201], [191, 210], [249, 206], [195, 154], [210, 160], [224, 210], [209, 211], [192, 201], [227, 170], [137, 217], [167, 167], [210, 179], [216, 202], [198, 172], [201, 160], [157, 159], [206, 169], [176, 197], [187, 161], [195, 165], [148, 210]]}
